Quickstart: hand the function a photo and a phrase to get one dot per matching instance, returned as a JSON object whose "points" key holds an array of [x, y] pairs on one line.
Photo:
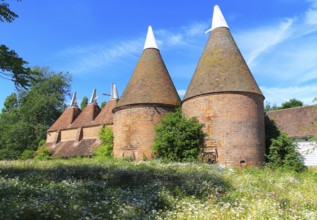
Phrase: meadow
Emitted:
{"points": [[84, 188]]}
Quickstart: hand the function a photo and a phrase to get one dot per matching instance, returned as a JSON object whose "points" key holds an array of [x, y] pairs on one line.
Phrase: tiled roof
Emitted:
{"points": [[221, 68], [66, 119], [106, 115], [150, 82], [87, 116], [74, 148], [296, 122]]}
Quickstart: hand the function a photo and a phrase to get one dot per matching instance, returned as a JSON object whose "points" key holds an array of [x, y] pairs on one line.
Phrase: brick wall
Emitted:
{"points": [[91, 132], [234, 123], [134, 130], [50, 136], [68, 134]]}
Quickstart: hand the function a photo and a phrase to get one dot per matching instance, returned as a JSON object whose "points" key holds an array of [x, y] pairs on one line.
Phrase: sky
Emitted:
{"points": [[99, 42]]}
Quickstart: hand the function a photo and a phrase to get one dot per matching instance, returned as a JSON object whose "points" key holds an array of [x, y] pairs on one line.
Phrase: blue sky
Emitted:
{"points": [[99, 42]]}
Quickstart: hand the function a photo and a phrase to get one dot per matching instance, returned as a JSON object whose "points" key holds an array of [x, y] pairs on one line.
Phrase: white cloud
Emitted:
{"points": [[84, 59], [283, 56], [257, 41], [181, 92], [278, 95]]}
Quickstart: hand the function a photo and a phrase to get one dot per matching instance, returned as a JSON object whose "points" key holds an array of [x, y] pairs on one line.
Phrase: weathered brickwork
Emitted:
{"points": [[68, 134], [50, 136], [91, 132], [234, 124], [134, 130]]}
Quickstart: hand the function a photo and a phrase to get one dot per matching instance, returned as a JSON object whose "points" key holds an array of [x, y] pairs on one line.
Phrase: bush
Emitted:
{"points": [[105, 150], [42, 153], [178, 138], [8, 154], [27, 154], [283, 153]]}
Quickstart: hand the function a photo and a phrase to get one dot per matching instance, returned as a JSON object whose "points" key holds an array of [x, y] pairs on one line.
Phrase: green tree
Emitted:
{"points": [[268, 107], [84, 102], [291, 104], [6, 15], [103, 104], [13, 67], [26, 116], [283, 153], [178, 138], [105, 150], [271, 133]]}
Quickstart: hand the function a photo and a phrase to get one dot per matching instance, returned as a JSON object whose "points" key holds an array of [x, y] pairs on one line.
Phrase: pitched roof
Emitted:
{"points": [[73, 148], [150, 82], [221, 67], [66, 119], [87, 116], [106, 115], [296, 122]]}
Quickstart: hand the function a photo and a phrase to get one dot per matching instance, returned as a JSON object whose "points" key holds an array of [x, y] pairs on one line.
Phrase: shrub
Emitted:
{"points": [[42, 153], [178, 138], [271, 132], [27, 154], [8, 154], [105, 150], [283, 153]]}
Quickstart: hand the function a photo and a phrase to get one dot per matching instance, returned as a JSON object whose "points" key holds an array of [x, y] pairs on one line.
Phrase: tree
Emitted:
{"points": [[291, 104], [105, 150], [268, 107], [13, 67], [271, 133], [103, 104], [26, 116], [178, 138], [84, 103], [283, 153], [6, 15]]}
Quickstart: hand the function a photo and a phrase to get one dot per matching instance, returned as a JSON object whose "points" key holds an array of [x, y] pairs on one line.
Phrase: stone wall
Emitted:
{"points": [[234, 123], [134, 131]]}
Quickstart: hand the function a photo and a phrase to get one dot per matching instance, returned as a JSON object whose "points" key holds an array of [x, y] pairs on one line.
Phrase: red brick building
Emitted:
{"points": [[222, 94], [149, 95]]}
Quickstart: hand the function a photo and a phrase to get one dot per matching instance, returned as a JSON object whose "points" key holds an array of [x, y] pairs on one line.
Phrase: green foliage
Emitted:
{"points": [[283, 153], [178, 138], [84, 103], [105, 150], [27, 154], [13, 68], [271, 133], [268, 107], [103, 104], [115, 189], [291, 104], [42, 153], [27, 115], [9, 154], [6, 15]]}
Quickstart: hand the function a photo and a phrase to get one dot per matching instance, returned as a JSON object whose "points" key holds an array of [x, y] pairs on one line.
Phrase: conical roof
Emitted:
{"points": [[66, 119], [221, 67], [87, 116], [150, 82]]}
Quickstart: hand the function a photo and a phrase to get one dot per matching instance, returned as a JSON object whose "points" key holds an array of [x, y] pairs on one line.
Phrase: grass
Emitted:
{"points": [[116, 189]]}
